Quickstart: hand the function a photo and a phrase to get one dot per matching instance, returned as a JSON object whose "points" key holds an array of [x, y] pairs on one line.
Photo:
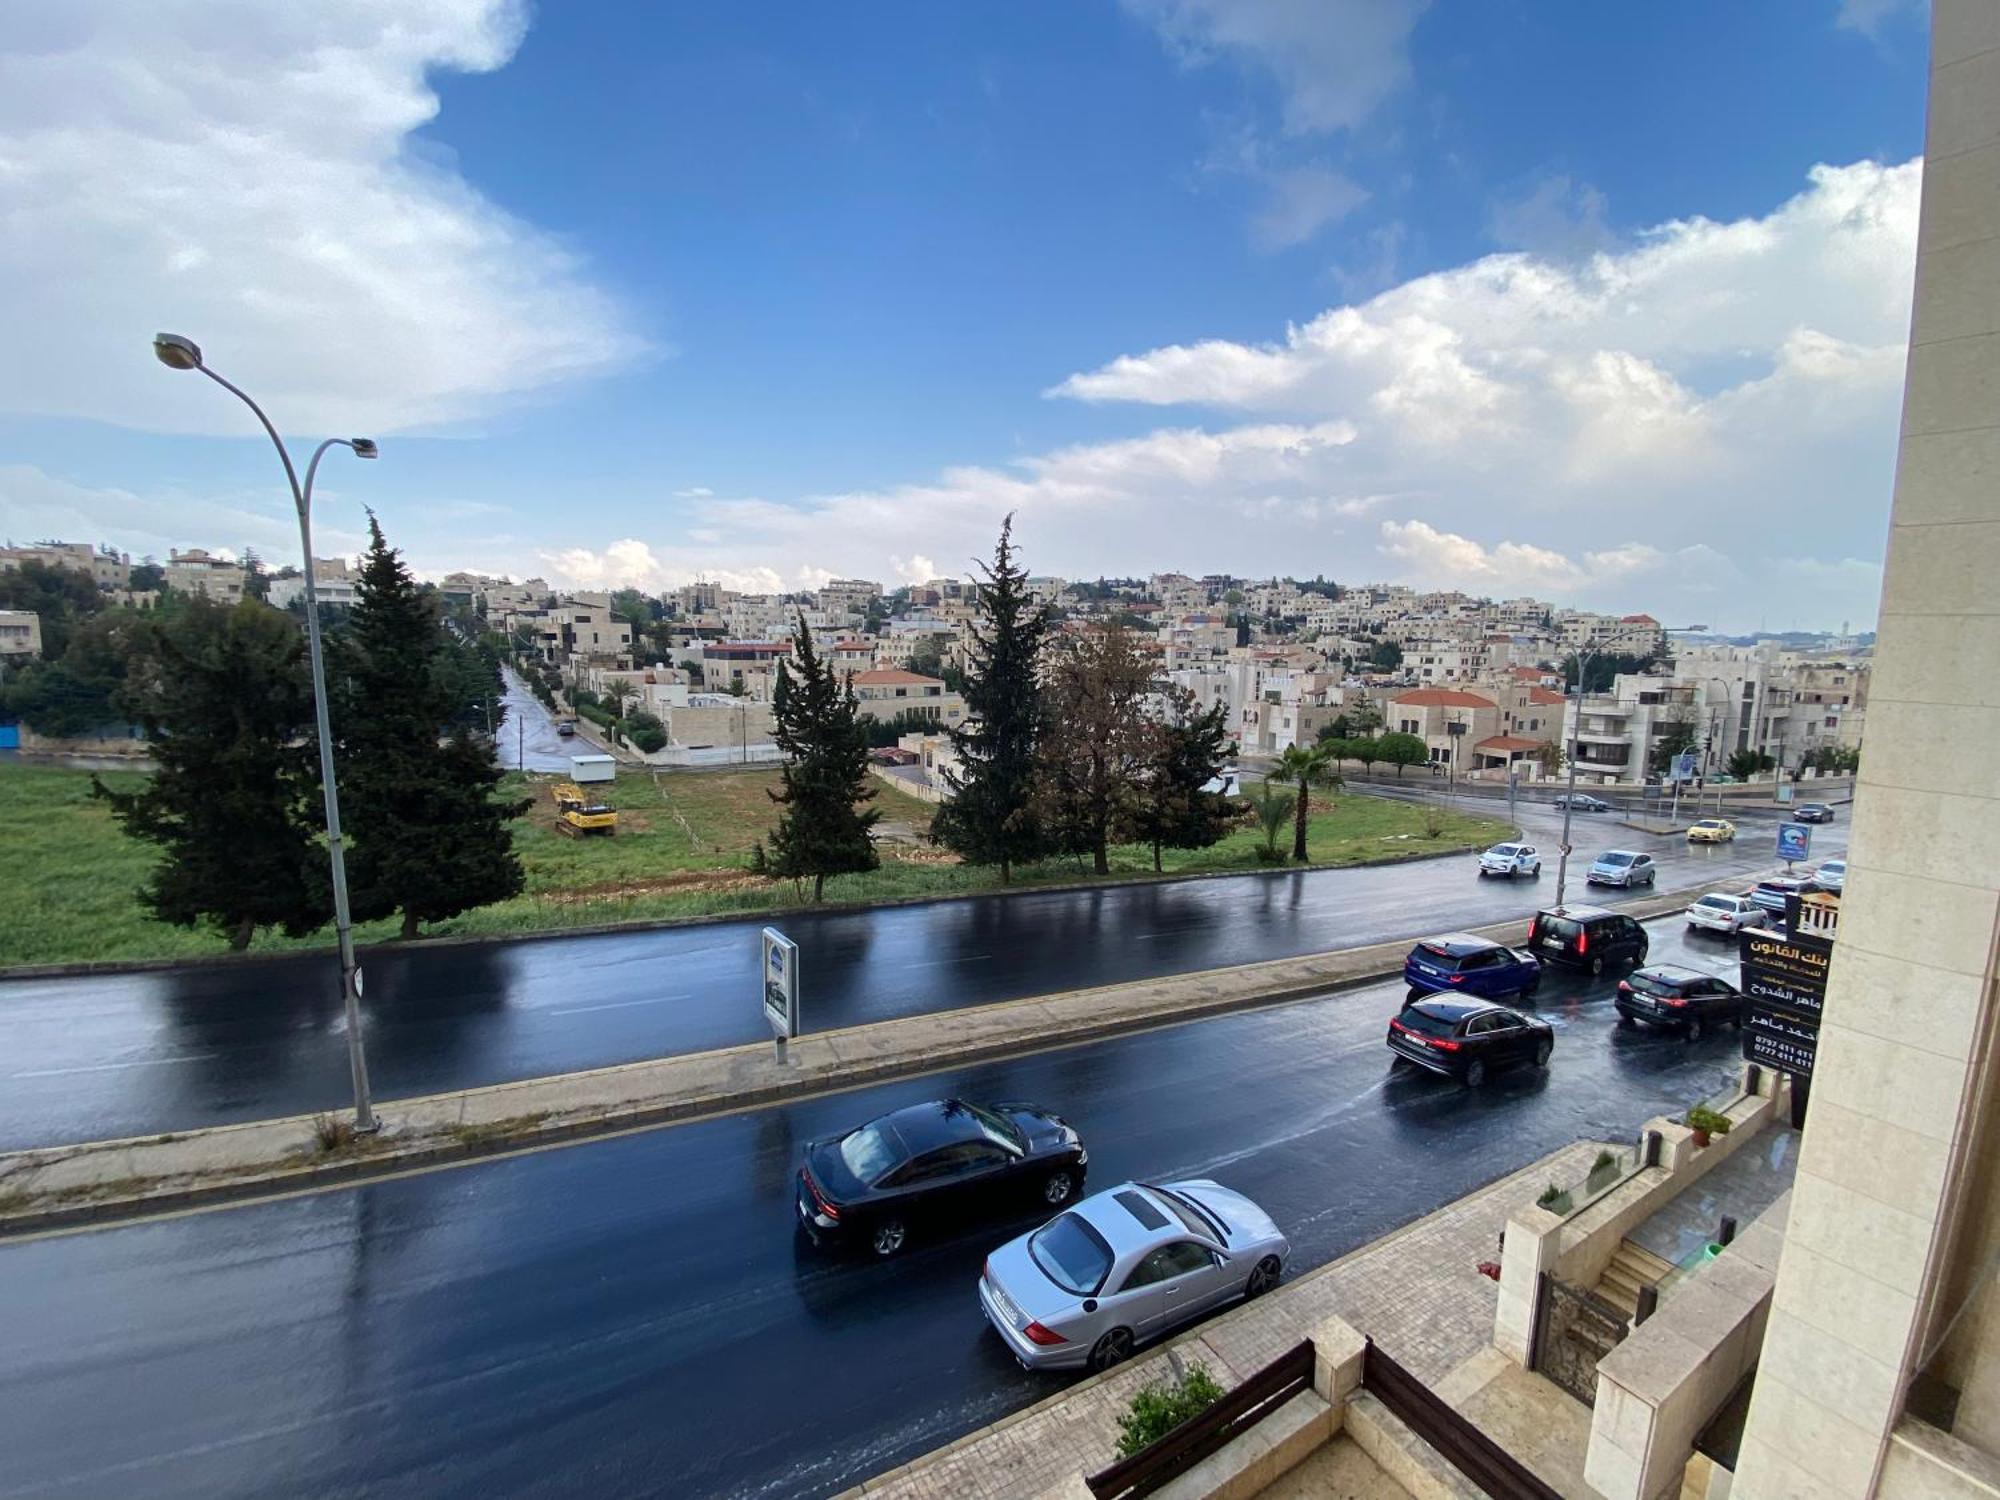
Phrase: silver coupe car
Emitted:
{"points": [[1123, 1267]]}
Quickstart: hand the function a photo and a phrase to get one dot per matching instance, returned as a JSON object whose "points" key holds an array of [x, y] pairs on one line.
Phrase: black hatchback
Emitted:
{"points": [[1467, 1039], [1677, 996], [1587, 937], [932, 1165]]}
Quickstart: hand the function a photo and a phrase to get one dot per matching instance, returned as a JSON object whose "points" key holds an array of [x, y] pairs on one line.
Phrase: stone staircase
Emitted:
{"points": [[1630, 1269]]}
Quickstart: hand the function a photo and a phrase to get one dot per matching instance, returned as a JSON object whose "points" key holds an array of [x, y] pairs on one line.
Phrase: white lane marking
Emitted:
{"points": [[144, 1062], [577, 1010]]}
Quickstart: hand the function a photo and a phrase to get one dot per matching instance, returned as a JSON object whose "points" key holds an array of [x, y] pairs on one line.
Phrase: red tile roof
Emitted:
{"points": [[1442, 698], [1502, 743], [1527, 674], [1545, 695]]}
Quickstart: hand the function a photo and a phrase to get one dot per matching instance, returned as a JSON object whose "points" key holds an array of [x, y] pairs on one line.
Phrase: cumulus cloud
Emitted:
{"points": [[36, 504], [1335, 61], [246, 174]]}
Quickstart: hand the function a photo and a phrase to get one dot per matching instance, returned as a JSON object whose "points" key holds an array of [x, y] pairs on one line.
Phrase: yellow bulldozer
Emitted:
{"points": [[578, 816]]}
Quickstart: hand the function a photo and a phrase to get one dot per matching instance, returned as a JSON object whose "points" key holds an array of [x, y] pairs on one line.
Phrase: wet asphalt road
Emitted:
{"points": [[526, 739], [637, 1317], [106, 1056]]}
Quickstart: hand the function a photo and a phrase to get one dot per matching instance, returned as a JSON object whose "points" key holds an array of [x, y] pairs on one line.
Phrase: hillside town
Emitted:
{"points": [[1484, 685]]}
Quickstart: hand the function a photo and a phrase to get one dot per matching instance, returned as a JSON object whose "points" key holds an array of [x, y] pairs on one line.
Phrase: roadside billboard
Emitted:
{"points": [[1784, 979], [1794, 842], [780, 968]]}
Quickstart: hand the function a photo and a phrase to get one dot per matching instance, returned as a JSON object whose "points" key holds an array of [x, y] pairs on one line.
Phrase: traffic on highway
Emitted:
{"points": [[104, 1056], [655, 1302]]}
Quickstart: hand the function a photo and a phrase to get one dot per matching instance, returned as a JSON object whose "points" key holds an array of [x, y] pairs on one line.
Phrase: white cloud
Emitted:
{"points": [[246, 175], [1557, 217], [1303, 201], [1868, 16], [1335, 61]]}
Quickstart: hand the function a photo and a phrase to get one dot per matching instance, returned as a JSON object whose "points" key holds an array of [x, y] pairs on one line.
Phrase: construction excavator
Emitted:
{"points": [[578, 816]]}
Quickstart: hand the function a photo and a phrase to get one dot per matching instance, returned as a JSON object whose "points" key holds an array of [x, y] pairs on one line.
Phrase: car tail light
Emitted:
{"points": [[1624, 988], [1396, 1025], [1444, 1044], [1674, 1000], [1457, 979], [1582, 944], [820, 1200], [1534, 926], [1036, 1334]]}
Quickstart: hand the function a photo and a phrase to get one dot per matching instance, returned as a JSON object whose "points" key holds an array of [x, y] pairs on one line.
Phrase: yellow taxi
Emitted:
{"points": [[1712, 831]]}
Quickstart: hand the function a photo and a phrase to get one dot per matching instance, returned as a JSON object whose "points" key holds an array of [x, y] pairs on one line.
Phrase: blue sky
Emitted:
{"points": [[1509, 295]]}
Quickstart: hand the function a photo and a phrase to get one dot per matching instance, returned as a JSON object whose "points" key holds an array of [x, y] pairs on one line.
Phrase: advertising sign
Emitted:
{"points": [[1684, 764], [1794, 842], [780, 969], [1784, 979]]}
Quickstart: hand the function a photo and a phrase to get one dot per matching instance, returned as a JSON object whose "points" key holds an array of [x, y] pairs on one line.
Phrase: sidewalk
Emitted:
{"points": [[1416, 1291], [102, 1180]]}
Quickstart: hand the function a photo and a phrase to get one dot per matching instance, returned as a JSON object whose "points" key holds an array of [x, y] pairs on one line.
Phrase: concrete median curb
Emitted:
{"points": [[102, 1181]]}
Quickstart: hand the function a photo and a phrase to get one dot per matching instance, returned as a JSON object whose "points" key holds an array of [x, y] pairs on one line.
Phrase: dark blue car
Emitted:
{"points": [[1460, 964]]}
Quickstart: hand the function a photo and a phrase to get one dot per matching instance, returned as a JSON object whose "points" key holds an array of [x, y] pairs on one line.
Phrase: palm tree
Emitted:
{"points": [[1272, 808], [1304, 766]]}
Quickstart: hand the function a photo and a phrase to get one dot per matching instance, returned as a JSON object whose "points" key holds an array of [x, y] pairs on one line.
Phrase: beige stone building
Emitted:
{"points": [[196, 571], [20, 635], [108, 570], [1880, 1369], [885, 692]]}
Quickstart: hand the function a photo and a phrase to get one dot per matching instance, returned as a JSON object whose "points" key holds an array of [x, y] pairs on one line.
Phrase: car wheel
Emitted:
{"points": [[1113, 1349], [1542, 1050], [1597, 966], [1263, 1278], [1537, 871], [1058, 1188], [1694, 1029], [1474, 1074], [1531, 986], [889, 1237], [1652, 878], [1625, 1022]]}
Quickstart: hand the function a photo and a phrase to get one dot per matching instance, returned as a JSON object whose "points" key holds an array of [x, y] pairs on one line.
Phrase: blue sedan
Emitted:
{"points": [[1460, 964]]}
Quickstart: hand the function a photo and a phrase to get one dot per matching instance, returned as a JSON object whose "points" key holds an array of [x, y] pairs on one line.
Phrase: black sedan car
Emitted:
{"points": [[1467, 1039], [1581, 802], [1812, 812], [934, 1165], [1677, 996]]}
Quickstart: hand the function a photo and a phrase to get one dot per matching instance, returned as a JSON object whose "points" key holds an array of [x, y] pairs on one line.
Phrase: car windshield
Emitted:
{"points": [[1508, 850], [870, 1151], [1614, 859], [1708, 823], [1071, 1254], [1718, 903], [1834, 867], [1001, 1132], [1428, 1024], [1647, 984], [1565, 928]]}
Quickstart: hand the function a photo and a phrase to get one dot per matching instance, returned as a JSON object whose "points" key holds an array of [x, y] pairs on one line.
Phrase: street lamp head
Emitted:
{"points": [[364, 447], [176, 352]]}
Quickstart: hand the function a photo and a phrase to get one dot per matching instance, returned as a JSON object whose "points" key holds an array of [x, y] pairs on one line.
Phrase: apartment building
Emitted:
{"points": [[334, 583], [197, 571], [107, 569], [847, 598], [578, 630], [883, 693], [749, 664], [20, 635]]}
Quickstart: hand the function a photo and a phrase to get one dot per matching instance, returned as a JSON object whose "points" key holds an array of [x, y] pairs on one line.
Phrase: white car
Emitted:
{"points": [[1831, 876], [1721, 912], [1511, 860]]}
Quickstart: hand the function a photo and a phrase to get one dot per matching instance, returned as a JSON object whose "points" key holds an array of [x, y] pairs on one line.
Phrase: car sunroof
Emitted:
{"points": [[1141, 1210]]}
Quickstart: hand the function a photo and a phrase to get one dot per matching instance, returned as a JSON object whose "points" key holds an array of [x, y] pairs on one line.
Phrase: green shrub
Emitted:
{"points": [[1604, 1159], [646, 731], [1555, 1199], [1701, 1117], [1159, 1408]]}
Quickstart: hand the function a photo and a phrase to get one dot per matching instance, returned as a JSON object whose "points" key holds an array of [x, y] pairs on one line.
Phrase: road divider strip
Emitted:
{"points": [[103, 1181]]}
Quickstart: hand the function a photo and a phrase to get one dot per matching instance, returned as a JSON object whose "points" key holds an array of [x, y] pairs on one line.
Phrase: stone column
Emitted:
{"points": [[1890, 1160]]}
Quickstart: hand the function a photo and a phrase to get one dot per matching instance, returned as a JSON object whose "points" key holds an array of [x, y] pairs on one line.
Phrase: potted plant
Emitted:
{"points": [[1602, 1172], [1706, 1123], [1554, 1199]]}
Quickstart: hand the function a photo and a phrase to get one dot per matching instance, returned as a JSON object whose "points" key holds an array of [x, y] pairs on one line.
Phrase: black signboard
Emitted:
{"points": [[1784, 979]]}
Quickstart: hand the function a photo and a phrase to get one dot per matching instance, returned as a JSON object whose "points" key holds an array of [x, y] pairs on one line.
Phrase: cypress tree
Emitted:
{"points": [[991, 818], [418, 784], [225, 697], [823, 829]]}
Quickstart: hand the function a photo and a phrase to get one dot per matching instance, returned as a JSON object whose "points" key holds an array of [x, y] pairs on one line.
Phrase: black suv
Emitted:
{"points": [[1587, 937], [1467, 1039], [1674, 995]]}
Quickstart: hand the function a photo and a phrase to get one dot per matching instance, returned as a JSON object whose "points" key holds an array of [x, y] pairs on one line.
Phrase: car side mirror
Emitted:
{"points": [[1090, 1304]]}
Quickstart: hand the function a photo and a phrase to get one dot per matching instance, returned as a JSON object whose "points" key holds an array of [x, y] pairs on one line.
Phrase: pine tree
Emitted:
{"points": [[429, 838], [1184, 752], [823, 829], [224, 695], [991, 816]]}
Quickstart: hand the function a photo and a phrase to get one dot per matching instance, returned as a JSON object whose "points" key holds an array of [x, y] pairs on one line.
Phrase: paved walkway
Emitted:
{"points": [[1417, 1292]]}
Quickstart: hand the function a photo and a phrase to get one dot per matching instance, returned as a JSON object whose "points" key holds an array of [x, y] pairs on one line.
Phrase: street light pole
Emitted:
{"points": [[1569, 796], [179, 353]]}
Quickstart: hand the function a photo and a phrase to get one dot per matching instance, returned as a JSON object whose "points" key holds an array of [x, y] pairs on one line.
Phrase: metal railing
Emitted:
{"points": [[1198, 1437]]}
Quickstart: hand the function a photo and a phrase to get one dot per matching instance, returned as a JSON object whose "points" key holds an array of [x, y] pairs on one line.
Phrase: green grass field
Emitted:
{"points": [[68, 875]]}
